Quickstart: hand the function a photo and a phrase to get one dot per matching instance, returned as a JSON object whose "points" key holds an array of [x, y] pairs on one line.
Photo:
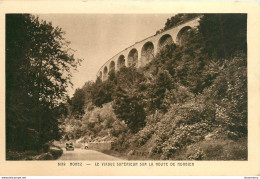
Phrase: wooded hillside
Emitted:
{"points": [[189, 102]]}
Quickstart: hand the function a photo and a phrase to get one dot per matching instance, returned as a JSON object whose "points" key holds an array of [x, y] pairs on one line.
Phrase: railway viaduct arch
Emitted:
{"points": [[142, 52]]}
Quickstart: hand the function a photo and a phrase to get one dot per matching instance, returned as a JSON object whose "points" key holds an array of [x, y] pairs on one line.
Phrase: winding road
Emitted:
{"points": [[82, 154]]}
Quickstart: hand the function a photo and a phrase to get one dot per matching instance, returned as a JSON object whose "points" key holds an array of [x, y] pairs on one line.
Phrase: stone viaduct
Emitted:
{"points": [[142, 52]]}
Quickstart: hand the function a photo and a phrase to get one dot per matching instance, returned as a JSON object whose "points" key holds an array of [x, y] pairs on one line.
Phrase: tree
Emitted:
{"points": [[132, 75], [38, 72], [128, 104], [77, 103], [178, 19], [156, 93], [102, 92], [229, 92], [224, 34], [128, 107]]}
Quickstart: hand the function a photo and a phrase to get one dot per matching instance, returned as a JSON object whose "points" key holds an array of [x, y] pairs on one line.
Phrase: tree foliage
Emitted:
{"points": [[38, 71], [177, 19], [187, 93], [127, 104], [77, 103], [102, 92], [130, 109], [224, 34]]}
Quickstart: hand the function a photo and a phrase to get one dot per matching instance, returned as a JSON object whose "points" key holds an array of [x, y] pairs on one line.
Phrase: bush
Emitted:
{"points": [[229, 94], [216, 150], [197, 154]]}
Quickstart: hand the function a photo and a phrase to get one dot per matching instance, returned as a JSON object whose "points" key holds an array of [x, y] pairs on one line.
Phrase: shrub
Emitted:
{"points": [[198, 154], [229, 94], [219, 149]]}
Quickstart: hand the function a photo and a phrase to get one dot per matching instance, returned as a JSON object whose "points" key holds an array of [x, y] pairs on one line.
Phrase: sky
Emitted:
{"points": [[98, 37]]}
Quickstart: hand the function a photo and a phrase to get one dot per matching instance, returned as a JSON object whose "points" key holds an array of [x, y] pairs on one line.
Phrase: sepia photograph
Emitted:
{"points": [[137, 88], [146, 87]]}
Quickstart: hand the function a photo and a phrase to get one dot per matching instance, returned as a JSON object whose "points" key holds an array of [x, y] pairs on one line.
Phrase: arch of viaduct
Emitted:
{"points": [[143, 51]]}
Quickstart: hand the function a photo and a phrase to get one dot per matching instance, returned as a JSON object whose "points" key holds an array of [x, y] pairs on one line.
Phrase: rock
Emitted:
{"points": [[130, 153], [44, 156], [55, 148], [55, 152]]}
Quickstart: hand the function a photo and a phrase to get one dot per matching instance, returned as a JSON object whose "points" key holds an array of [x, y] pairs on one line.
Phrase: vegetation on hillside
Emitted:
{"points": [[177, 20], [38, 72], [189, 102]]}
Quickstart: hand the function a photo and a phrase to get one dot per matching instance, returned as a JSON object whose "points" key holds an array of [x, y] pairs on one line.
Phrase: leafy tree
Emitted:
{"points": [[38, 71], [102, 92], [128, 108], [132, 75], [128, 104], [156, 92], [177, 19], [87, 88], [224, 34], [229, 94], [112, 75], [77, 103]]}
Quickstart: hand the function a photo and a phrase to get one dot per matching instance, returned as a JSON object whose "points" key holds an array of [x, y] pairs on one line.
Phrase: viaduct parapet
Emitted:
{"points": [[142, 52]]}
